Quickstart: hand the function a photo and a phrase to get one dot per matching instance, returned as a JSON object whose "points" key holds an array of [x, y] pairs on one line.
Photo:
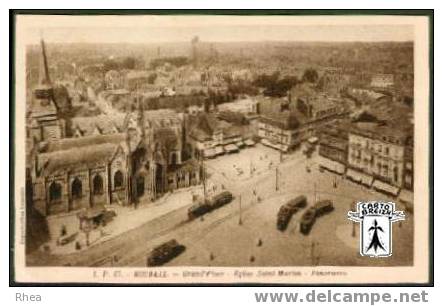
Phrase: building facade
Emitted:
{"points": [[279, 130], [334, 142], [378, 151], [123, 169], [209, 136], [408, 178]]}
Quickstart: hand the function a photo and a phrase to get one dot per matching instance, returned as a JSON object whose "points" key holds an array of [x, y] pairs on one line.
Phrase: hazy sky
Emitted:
{"points": [[210, 28]]}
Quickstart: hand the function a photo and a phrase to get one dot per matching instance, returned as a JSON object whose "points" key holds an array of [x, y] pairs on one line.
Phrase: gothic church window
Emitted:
{"points": [[55, 192], [97, 184], [76, 189], [118, 179]]}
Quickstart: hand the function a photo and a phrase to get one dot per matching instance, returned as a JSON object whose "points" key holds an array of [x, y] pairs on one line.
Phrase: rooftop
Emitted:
{"points": [[76, 157], [77, 143]]}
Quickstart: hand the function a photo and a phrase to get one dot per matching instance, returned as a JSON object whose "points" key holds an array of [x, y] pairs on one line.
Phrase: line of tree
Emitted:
{"points": [[274, 85], [176, 61], [118, 64]]}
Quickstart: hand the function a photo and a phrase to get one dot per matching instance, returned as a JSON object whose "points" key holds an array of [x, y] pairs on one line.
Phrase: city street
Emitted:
{"points": [[244, 233]]}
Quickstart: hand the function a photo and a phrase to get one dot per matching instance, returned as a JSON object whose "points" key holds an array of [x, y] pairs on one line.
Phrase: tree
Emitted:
{"points": [[128, 63], [310, 75], [152, 77], [110, 64]]}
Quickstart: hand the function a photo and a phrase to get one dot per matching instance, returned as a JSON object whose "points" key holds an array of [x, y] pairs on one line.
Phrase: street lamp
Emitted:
{"points": [[276, 178], [315, 260], [240, 222], [353, 223]]}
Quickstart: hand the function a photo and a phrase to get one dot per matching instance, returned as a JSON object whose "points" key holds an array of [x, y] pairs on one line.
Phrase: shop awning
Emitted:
{"points": [[406, 196], [366, 179], [209, 152], [219, 150], [277, 146], [231, 148], [249, 142], [240, 144], [353, 175], [332, 165], [312, 140], [384, 187], [360, 177]]}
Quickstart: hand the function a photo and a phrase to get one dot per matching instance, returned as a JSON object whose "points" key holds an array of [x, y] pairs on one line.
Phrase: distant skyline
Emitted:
{"points": [[160, 29]]}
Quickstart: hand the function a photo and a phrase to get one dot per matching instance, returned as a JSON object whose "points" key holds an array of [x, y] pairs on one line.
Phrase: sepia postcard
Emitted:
{"points": [[217, 149]]}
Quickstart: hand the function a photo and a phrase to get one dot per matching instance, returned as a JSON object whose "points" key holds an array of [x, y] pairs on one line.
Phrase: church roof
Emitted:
{"points": [[161, 118], [73, 143], [104, 124], [76, 158]]}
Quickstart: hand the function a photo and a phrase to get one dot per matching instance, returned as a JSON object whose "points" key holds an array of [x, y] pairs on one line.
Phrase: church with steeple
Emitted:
{"points": [[135, 163], [46, 123]]}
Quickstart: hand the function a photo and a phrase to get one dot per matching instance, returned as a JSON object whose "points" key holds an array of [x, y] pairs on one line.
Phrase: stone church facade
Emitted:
{"points": [[140, 163], [112, 173]]}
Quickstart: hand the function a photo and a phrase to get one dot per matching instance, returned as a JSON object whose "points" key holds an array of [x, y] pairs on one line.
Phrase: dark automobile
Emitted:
{"points": [[308, 220], [107, 217], [323, 207], [164, 253], [221, 199], [198, 210], [286, 211]]}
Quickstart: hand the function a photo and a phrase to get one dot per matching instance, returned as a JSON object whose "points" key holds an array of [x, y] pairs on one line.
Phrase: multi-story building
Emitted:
{"points": [[333, 146], [114, 79], [408, 173], [319, 107], [210, 136], [378, 151], [244, 106], [382, 80], [280, 130]]}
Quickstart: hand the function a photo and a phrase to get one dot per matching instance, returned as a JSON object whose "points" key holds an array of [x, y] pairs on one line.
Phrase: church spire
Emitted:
{"points": [[44, 78]]}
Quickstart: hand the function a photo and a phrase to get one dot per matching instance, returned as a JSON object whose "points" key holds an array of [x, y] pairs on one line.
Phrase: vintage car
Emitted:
{"points": [[287, 210], [107, 217], [308, 220], [323, 207], [164, 253]]}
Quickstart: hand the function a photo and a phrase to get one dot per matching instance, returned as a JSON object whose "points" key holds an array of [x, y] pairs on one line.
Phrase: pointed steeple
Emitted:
{"points": [[44, 78], [44, 102], [46, 125]]}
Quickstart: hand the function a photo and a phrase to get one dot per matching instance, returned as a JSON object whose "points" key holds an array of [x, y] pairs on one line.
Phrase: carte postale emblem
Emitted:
{"points": [[376, 218]]}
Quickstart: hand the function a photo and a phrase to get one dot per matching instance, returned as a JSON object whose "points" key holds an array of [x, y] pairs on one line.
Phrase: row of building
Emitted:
{"points": [[373, 153]]}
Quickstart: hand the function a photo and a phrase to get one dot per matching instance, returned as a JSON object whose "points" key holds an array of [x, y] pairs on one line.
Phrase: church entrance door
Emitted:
{"points": [[140, 181]]}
